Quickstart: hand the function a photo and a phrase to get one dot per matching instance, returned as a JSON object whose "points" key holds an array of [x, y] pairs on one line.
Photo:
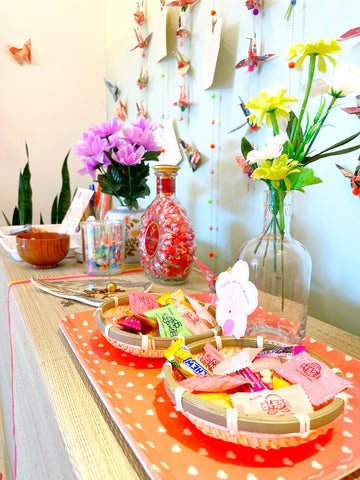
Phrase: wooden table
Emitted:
{"points": [[62, 429]]}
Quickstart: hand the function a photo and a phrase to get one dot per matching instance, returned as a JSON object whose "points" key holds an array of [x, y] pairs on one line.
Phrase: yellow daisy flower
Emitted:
{"points": [[321, 49], [276, 170], [272, 100]]}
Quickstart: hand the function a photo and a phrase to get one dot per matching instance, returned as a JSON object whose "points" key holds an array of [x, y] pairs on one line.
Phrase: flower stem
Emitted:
{"points": [[333, 100], [130, 187], [274, 123], [306, 98]]}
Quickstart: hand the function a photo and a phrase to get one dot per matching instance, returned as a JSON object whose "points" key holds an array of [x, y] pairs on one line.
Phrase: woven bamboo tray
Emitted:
{"points": [[142, 345], [257, 431]]}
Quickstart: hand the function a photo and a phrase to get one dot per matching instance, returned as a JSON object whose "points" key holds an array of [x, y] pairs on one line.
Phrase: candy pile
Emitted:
{"points": [[166, 241], [171, 315], [283, 381]]}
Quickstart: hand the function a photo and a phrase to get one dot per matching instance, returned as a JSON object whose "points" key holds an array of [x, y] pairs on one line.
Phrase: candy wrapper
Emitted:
{"points": [[210, 357], [237, 362], [192, 321], [287, 401], [317, 379], [170, 322], [141, 302], [284, 352], [222, 399], [213, 383], [184, 361], [255, 384], [203, 313]]}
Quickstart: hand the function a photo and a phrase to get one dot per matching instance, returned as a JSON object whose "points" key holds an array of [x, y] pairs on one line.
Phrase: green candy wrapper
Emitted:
{"points": [[170, 322]]}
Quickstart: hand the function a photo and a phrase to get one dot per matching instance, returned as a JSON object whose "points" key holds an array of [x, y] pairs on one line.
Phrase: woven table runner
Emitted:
{"points": [[170, 447]]}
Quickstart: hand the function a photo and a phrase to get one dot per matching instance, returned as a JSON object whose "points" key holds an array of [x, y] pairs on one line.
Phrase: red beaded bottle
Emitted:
{"points": [[166, 239]]}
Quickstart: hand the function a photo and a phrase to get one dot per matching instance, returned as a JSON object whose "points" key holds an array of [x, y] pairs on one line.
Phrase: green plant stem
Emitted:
{"points": [[306, 98], [333, 100], [130, 187], [274, 123]]}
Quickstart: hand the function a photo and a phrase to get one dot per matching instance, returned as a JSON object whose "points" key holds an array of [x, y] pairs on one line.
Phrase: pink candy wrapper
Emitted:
{"points": [[286, 401], [211, 357], [192, 321], [141, 302], [317, 379], [255, 384], [203, 313], [236, 362], [265, 363], [284, 352], [213, 383]]}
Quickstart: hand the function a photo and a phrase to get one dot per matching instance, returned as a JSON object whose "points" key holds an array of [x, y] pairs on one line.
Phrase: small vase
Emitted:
{"points": [[280, 268], [132, 219]]}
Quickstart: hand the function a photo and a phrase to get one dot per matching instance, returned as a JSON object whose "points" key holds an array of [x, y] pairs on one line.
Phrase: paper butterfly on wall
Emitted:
{"points": [[21, 54], [237, 298]]}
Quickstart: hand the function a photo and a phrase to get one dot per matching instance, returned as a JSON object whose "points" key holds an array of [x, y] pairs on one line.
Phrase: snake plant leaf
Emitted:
{"points": [[16, 217], [65, 193], [25, 195], [41, 219], [54, 211], [6, 219]]}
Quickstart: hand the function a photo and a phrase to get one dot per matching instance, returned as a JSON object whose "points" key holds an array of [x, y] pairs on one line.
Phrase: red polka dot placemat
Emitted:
{"points": [[170, 447]]}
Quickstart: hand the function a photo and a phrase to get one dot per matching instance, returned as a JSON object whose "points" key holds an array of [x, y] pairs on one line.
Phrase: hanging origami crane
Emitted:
{"points": [[253, 5], [113, 89], [183, 102], [141, 110], [247, 113], [252, 60], [143, 79], [353, 176], [139, 15], [140, 39], [352, 33], [182, 32], [121, 111], [183, 63], [180, 3], [21, 54], [354, 110], [192, 154]]}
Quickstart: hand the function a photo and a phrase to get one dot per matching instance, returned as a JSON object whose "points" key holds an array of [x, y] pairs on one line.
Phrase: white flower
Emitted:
{"points": [[273, 149], [345, 81]]}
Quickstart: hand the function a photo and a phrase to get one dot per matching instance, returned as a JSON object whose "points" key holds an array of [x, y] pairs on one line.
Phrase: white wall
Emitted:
{"points": [[50, 102], [326, 217]]}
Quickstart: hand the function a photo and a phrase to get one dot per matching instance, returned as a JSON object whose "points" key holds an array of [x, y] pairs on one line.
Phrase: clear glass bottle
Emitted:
{"points": [[166, 239], [280, 267]]}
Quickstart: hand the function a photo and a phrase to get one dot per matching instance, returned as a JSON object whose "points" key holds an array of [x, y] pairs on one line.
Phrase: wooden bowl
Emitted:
{"points": [[43, 249]]}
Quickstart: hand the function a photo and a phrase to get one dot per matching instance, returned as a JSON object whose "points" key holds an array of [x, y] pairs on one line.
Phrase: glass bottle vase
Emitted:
{"points": [[166, 239], [280, 268]]}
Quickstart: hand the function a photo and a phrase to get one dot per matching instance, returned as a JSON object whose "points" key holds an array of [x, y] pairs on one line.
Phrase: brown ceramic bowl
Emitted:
{"points": [[43, 249]]}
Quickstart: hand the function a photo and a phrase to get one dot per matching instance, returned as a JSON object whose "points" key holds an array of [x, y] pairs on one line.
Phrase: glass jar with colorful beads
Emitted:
{"points": [[166, 239]]}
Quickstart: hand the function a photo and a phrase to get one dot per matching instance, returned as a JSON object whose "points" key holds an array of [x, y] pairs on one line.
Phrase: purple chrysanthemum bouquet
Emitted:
{"points": [[117, 157]]}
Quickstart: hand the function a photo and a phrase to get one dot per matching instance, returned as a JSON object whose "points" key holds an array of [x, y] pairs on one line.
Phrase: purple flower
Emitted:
{"points": [[141, 133], [129, 154], [90, 166], [106, 129]]}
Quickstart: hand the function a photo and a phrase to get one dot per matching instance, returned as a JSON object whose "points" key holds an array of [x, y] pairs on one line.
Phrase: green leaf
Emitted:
{"points": [[25, 196], [151, 156], [341, 143], [54, 211], [16, 217], [41, 219], [246, 147], [330, 154], [6, 219], [304, 178], [65, 193]]}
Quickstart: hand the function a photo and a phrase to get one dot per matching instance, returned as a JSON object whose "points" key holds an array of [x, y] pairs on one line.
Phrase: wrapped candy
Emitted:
{"points": [[166, 239]]}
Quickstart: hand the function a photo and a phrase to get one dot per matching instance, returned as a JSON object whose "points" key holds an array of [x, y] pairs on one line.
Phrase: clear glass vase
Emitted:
{"points": [[280, 267]]}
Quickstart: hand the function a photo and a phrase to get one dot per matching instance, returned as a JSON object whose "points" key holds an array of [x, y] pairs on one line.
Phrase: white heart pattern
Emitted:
{"points": [[348, 358], [230, 454], [203, 451], [162, 429], [259, 458], [139, 397], [346, 449], [187, 432], [149, 412], [176, 449], [347, 434], [222, 475], [316, 464], [192, 471], [161, 400], [287, 461]]}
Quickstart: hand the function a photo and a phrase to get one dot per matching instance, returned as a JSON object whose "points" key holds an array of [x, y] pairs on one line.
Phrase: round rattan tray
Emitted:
{"points": [[257, 431], [142, 345]]}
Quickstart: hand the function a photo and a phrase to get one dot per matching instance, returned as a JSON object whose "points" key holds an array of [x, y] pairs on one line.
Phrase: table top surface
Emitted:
{"points": [[41, 313]]}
